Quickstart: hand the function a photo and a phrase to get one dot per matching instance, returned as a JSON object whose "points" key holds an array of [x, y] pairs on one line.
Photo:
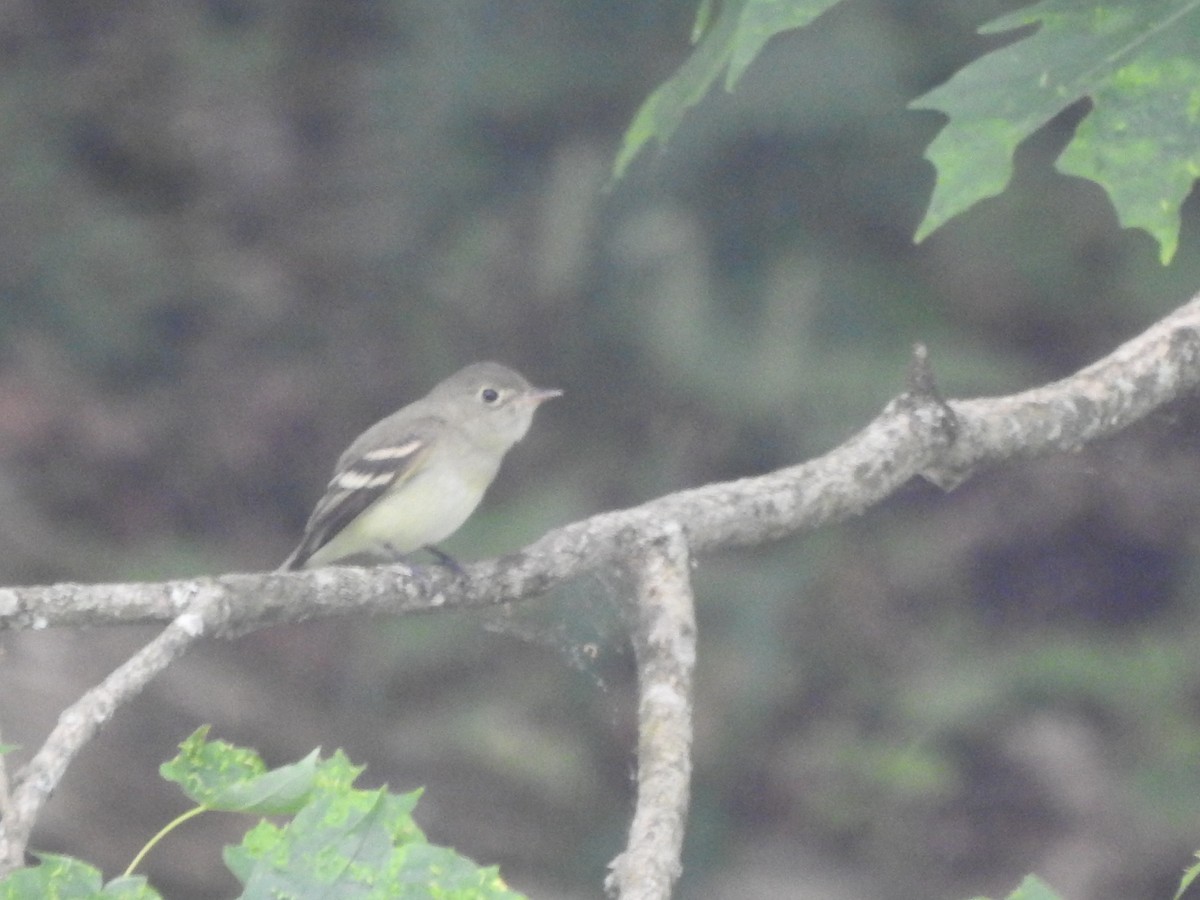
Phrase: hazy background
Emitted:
{"points": [[233, 233]]}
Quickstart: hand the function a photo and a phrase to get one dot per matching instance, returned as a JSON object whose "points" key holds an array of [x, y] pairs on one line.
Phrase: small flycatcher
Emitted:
{"points": [[410, 480]]}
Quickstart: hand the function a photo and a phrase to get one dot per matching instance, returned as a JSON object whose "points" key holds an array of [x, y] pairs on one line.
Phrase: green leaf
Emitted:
{"points": [[446, 875], [341, 842], [54, 876], [1188, 877], [218, 775], [1135, 60], [727, 43], [704, 14], [279, 791], [203, 768], [64, 878], [353, 843], [1031, 888], [760, 21], [332, 847], [8, 748], [129, 887]]}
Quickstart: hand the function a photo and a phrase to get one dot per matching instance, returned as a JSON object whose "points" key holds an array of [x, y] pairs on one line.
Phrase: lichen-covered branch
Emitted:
{"points": [[916, 434], [664, 642]]}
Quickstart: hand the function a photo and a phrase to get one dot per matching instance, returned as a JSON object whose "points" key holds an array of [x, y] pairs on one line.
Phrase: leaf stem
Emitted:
{"points": [[162, 833]]}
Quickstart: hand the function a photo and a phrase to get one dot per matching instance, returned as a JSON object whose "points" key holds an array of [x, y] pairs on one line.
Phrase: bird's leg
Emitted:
{"points": [[445, 559]]}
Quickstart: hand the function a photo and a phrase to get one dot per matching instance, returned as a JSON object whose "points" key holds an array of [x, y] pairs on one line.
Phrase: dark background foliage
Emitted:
{"points": [[237, 232]]}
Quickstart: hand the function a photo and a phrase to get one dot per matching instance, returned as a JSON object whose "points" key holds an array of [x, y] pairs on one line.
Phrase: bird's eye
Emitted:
{"points": [[489, 395]]}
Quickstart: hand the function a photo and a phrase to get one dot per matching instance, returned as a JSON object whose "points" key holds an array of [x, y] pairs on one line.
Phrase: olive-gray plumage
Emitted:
{"points": [[411, 479]]}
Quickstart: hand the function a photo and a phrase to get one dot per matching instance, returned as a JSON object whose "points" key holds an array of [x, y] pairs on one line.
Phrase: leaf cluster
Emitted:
{"points": [[337, 840], [1134, 61]]}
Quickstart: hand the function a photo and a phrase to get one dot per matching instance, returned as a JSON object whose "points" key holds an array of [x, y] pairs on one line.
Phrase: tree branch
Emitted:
{"points": [[918, 433], [664, 642], [80, 722]]}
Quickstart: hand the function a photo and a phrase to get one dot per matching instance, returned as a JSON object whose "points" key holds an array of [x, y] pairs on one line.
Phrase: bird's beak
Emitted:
{"points": [[540, 395]]}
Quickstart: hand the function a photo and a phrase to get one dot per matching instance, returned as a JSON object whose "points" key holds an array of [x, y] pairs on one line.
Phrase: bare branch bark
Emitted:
{"points": [[664, 641]]}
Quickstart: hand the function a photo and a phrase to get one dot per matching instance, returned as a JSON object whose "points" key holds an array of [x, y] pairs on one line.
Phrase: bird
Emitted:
{"points": [[410, 480]]}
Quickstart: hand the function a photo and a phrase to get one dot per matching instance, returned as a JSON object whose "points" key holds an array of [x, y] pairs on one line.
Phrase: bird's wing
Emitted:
{"points": [[361, 479]]}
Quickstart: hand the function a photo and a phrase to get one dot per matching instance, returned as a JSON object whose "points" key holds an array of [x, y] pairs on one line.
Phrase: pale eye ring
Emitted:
{"points": [[489, 395]]}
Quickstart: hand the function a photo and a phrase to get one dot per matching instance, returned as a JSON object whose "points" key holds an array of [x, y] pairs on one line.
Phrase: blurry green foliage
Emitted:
{"points": [[340, 840], [1132, 58], [1032, 888], [1135, 61], [727, 41], [61, 876]]}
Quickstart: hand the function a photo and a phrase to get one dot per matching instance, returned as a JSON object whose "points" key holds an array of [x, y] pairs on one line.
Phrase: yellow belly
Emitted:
{"points": [[426, 510]]}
